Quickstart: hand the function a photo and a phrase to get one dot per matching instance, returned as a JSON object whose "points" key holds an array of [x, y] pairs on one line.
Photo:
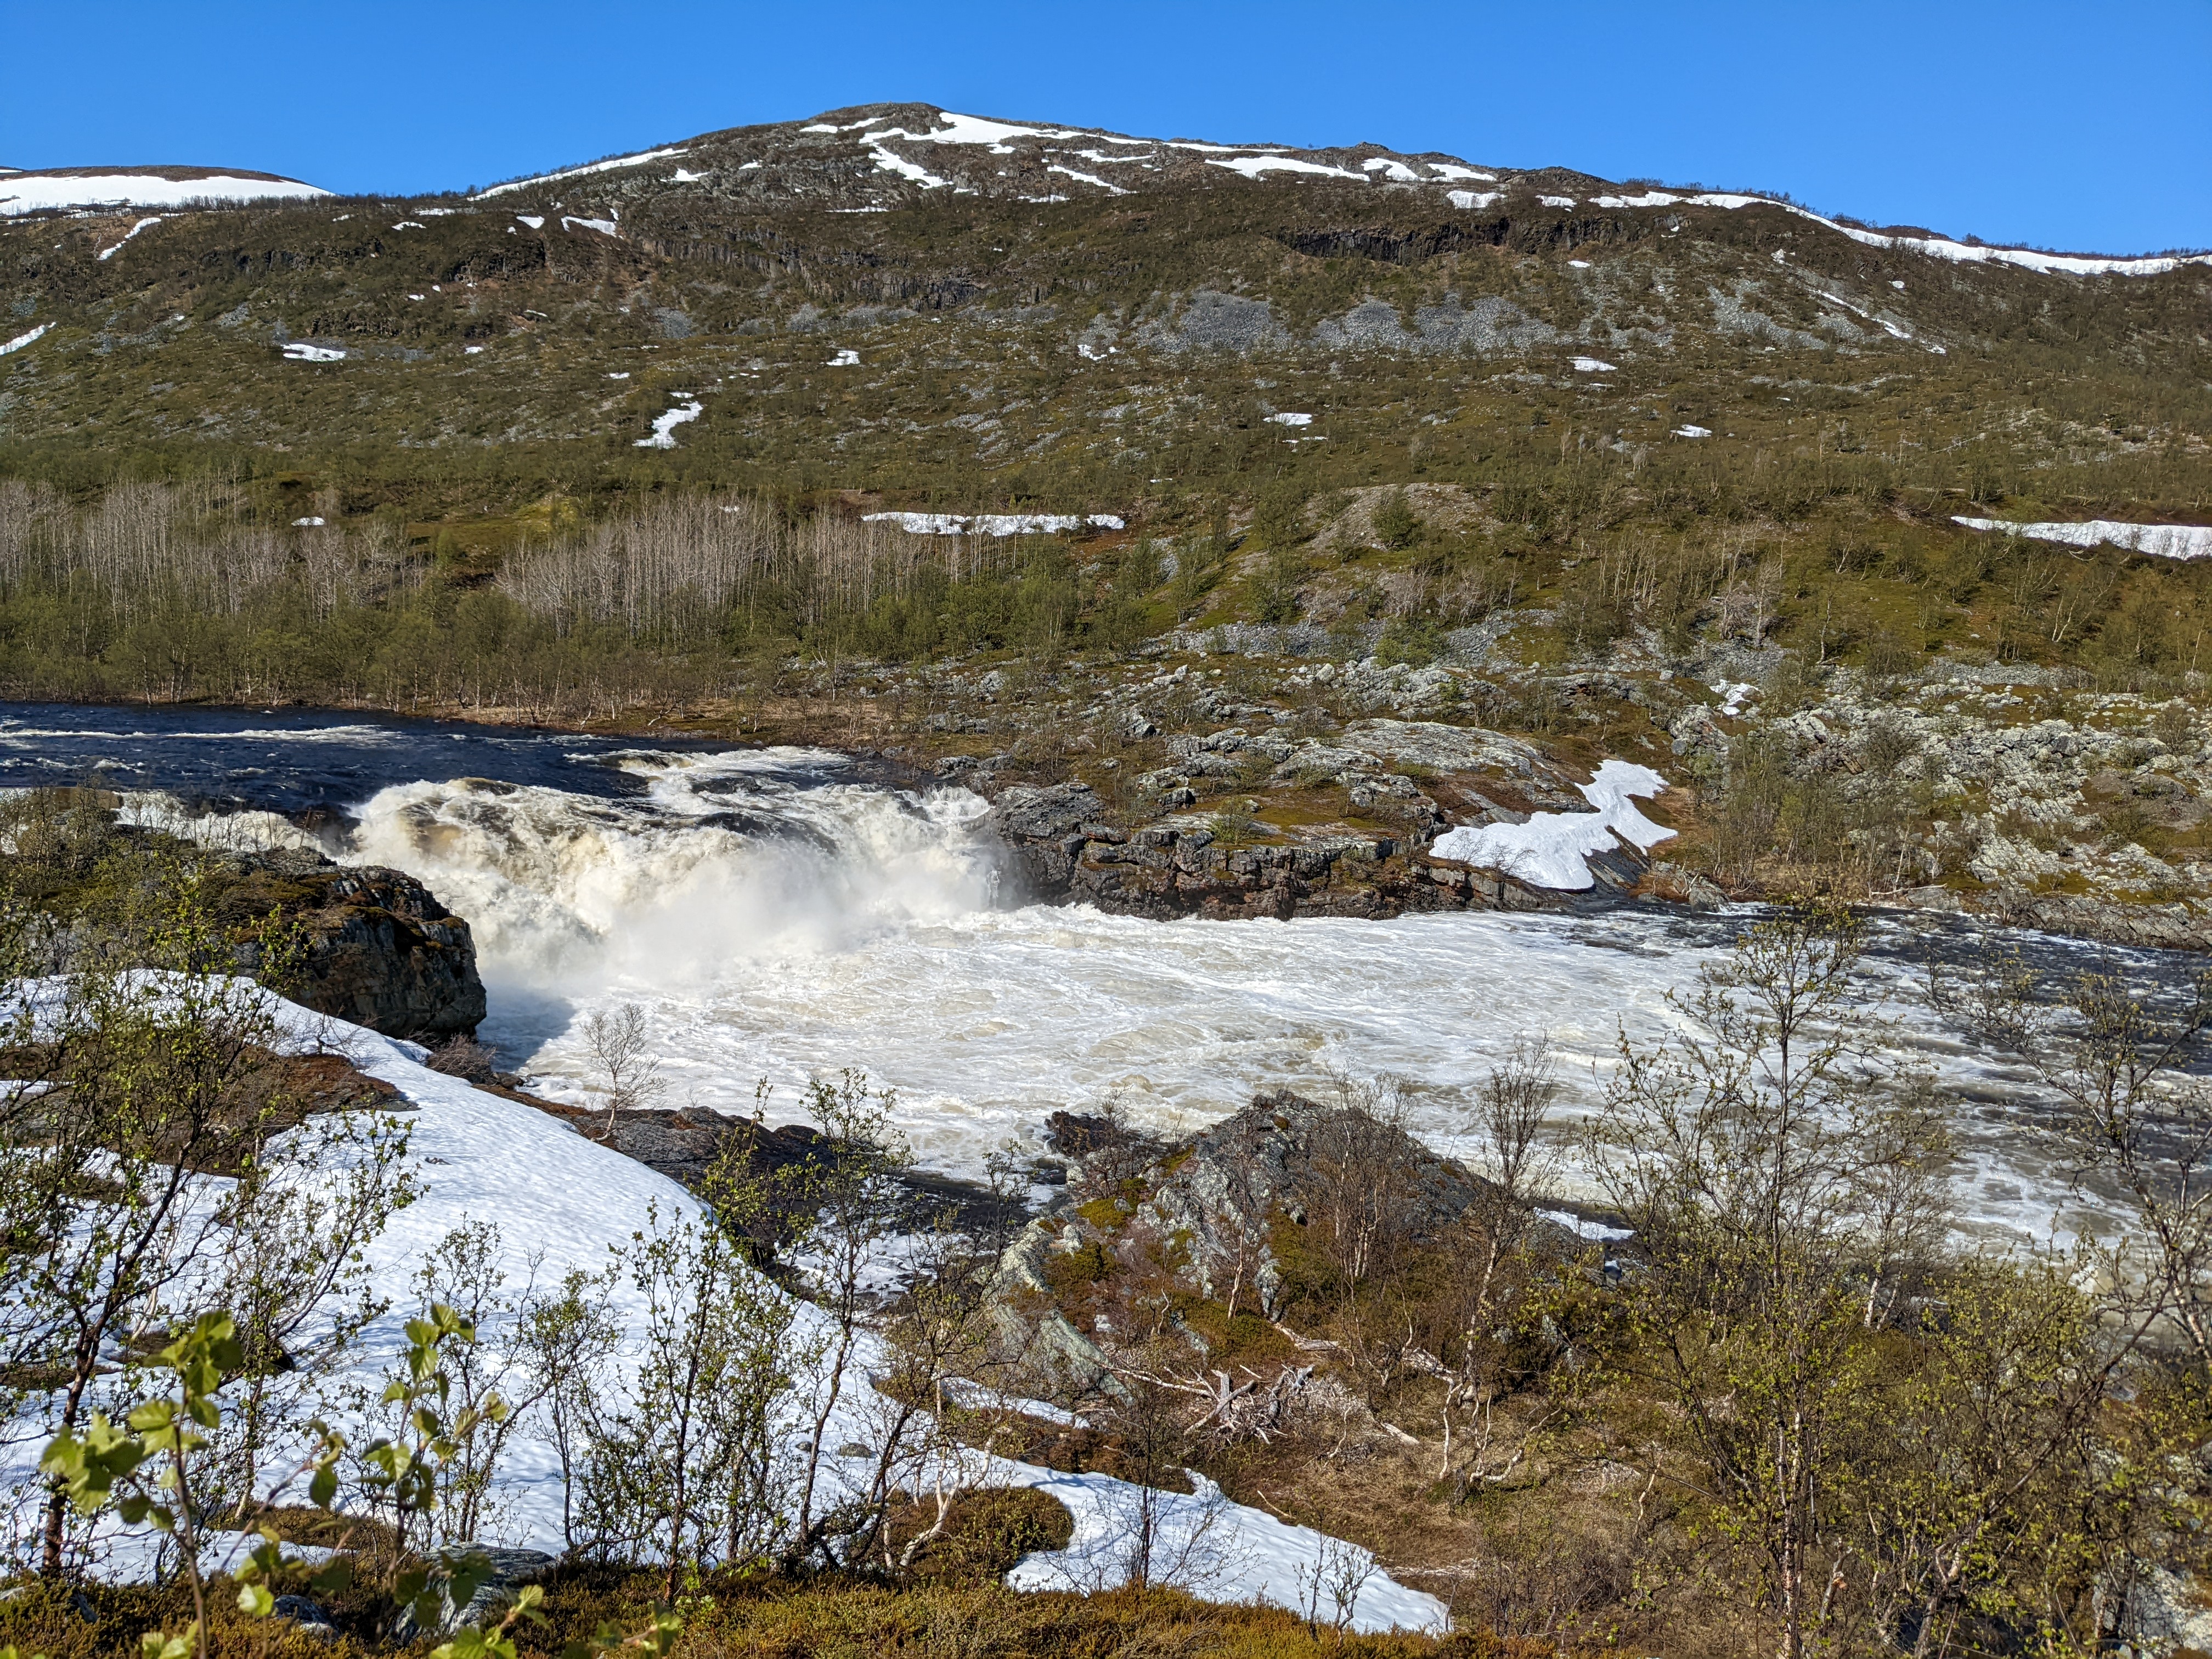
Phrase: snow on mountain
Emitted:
{"points": [[876, 157], [68, 189], [920, 145], [611, 164], [1935, 247]]}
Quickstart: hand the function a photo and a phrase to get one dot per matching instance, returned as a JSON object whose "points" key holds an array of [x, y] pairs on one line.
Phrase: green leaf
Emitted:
{"points": [[255, 1602], [333, 1576]]}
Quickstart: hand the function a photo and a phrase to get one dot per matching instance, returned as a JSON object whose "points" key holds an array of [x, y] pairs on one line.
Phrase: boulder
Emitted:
{"points": [[1219, 1192], [377, 948]]}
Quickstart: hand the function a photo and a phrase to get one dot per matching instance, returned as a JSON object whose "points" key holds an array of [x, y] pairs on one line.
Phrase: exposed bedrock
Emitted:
{"points": [[376, 948], [1066, 851]]}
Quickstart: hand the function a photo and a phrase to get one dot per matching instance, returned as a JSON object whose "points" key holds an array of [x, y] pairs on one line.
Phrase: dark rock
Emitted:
{"points": [[308, 1620], [377, 948], [2149, 927]]}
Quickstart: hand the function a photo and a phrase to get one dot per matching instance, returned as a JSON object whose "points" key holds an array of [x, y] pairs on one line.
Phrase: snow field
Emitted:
{"points": [[35, 192]]}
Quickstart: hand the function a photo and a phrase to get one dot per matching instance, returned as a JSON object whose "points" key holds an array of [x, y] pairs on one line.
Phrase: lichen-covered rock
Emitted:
{"points": [[1216, 1195]]}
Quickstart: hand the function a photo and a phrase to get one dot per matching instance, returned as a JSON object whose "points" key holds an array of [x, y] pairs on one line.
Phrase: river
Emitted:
{"points": [[779, 914]]}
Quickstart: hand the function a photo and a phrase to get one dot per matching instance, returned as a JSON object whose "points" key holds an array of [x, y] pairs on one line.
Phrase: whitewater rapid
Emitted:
{"points": [[776, 919]]}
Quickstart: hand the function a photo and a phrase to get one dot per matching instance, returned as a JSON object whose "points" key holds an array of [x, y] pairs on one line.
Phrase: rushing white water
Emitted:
{"points": [[776, 920]]}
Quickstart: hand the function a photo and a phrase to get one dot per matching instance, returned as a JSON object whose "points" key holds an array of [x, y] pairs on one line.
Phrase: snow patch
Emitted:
{"points": [[1288, 419], [664, 426], [846, 358], [22, 340], [887, 163], [107, 253], [1398, 172], [638, 160], [995, 523], [1693, 432], [1087, 178], [977, 129], [1592, 366], [2164, 541], [1557, 201], [1935, 247], [1552, 849], [1473, 198], [1894, 331], [535, 221], [1253, 165], [604, 227], [300, 352]]}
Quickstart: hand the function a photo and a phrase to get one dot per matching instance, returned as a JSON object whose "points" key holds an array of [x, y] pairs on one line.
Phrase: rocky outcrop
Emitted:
{"points": [[1066, 851], [1218, 1192], [374, 946]]}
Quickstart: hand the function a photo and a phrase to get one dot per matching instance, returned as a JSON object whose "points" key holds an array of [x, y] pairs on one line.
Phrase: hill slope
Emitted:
{"points": [[898, 297]]}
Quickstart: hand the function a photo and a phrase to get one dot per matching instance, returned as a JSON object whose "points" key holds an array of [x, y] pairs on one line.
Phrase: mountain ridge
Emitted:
{"points": [[892, 152]]}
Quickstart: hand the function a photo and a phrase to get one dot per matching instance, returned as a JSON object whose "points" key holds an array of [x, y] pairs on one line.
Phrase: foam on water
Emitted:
{"points": [[776, 919]]}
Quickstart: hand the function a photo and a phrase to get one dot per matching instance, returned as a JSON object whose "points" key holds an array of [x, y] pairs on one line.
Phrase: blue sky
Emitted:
{"points": [[2081, 126]]}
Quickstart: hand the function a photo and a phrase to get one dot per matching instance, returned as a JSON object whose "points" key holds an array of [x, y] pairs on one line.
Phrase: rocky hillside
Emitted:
{"points": [[898, 299]]}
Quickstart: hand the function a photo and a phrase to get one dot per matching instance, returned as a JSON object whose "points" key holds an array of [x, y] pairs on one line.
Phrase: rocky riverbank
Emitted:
{"points": [[373, 946]]}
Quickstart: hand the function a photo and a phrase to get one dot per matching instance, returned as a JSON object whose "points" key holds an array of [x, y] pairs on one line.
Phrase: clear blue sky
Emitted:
{"points": [[2086, 125]]}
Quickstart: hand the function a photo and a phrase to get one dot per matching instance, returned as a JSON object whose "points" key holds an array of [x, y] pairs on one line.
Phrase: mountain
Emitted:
{"points": [[1410, 435], [1004, 291], [878, 157]]}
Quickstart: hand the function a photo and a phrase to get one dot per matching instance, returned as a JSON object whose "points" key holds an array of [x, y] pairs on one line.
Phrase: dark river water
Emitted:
{"points": [[308, 764]]}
